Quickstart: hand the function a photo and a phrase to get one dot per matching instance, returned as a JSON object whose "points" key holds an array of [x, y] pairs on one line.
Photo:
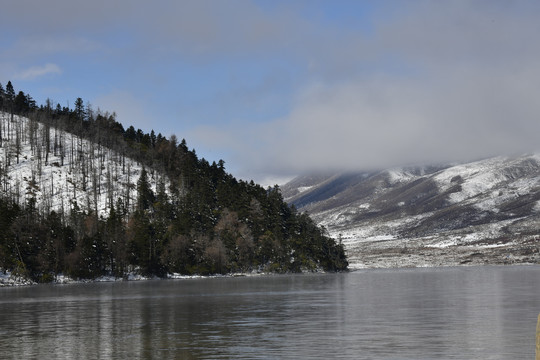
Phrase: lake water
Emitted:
{"points": [[450, 313]]}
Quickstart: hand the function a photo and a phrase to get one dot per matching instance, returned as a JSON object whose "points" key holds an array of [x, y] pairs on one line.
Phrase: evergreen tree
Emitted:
{"points": [[10, 92], [145, 195], [115, 237], [2, 96], [10, 97], [79, 109], [20, 104]]}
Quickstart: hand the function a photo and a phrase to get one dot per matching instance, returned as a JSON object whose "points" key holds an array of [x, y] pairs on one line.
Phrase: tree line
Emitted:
{"points": [[202, 220]]}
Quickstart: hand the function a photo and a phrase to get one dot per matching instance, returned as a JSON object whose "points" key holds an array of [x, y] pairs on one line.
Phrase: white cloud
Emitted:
{"points": [[430, 81], [38, 71], [390, 122], [450, 81]]}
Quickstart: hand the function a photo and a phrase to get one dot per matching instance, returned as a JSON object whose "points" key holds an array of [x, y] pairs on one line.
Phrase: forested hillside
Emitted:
{"points": [[83, 196]]}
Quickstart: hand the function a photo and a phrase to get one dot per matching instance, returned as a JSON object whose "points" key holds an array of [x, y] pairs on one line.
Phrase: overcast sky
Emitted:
{"points": [[278, 88]]}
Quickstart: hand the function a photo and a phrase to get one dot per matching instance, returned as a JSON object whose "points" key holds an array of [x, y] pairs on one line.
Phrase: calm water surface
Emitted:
{"points": [[452, 313]]}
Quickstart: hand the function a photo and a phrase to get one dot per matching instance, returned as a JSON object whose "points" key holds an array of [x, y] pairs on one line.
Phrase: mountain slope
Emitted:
{"points": [[57, 170], [431, 215], [80, 195]]}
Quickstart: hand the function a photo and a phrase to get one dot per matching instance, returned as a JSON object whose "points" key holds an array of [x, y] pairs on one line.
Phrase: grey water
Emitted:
{"points": [[445, 313]]}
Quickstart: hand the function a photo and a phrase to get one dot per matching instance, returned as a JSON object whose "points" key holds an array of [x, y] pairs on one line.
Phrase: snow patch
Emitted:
{"points": [[398, 175], [59, 169]]}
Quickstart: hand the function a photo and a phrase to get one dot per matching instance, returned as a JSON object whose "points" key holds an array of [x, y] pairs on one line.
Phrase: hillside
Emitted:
{"points": [[484, 212], [58, 170], [83, 197]]}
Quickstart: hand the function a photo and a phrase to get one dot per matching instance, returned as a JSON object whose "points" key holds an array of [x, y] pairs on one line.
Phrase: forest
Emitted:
{"points": [[180, 214]]}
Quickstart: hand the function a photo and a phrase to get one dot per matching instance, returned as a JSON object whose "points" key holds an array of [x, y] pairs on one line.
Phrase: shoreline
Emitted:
{"points": [[8, 280]]}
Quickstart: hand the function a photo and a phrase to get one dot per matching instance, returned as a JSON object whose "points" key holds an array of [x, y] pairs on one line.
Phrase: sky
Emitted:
{"points": [[278, 88]]}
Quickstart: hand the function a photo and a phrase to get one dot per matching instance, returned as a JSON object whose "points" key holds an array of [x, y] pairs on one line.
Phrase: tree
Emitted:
{"points": [[79, 109], [20, 104], [153, 138], [8, 213], [10, 92], [216, 258], [141, 243], [145, 195], [2, 95], [178, 255], [10, 96], [115, 237], [30, 102]]}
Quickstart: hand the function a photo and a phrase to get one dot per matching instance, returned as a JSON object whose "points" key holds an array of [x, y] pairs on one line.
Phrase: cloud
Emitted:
{"points": [[422, 81], [196, 30], [387, 122], [444, 82], [38, 71]]}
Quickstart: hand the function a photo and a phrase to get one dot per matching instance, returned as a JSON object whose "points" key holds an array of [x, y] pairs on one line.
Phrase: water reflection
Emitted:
{"points": [[460, 313]]}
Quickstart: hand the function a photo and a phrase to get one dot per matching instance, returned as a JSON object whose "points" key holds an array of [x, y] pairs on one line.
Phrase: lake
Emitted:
{"points": [[445, 313]]}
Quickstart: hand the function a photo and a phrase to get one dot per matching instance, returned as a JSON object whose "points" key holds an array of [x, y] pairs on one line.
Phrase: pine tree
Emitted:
{"points": [[2, 95], [10, 97], [20, 104], [145, 195], [79, 109]]}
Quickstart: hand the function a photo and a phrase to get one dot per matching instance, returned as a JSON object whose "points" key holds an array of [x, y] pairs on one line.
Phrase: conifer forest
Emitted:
{"points": [[83, 196]]}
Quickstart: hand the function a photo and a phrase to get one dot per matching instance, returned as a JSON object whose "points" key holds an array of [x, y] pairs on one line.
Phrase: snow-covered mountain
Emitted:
{"points": [[56, 169], [482, 212]]}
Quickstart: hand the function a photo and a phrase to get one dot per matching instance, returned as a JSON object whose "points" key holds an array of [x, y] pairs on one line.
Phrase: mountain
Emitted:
{"points": [[83, 197], [483, 212]]}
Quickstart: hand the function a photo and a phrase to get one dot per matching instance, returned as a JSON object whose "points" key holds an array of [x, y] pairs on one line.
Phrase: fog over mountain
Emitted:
{"points": [[484, 212], [436, 83]]}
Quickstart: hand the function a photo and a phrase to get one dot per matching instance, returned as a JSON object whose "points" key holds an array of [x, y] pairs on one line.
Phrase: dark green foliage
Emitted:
{"points": [[145, 197], [2, 96], [8, 253], [23, 104], [205, 222], [10, 92], [79, 108]]}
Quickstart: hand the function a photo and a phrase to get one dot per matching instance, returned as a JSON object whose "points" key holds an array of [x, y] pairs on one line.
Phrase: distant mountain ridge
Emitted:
{"points": [[489, 207]]}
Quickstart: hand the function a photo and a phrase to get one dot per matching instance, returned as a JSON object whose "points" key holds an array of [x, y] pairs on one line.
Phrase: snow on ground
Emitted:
{"points": [[302, 189], [9, 279], [485, 179], [75, 170], [376, 231], [478, 177], [399, 175], [375, 234]]}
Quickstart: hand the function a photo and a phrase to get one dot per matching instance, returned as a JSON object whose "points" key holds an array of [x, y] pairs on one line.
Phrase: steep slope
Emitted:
{"points": [[487, 209], [80, 195], [54, 170]]}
